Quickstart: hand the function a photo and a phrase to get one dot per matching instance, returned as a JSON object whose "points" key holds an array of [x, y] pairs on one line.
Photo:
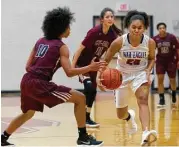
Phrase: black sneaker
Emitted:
{"points": [[161, 101], [88, 140], [4, 142], [90, 123]]}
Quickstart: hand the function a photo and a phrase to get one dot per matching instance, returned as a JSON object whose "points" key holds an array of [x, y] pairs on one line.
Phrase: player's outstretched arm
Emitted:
{"points": [[70, 71]]}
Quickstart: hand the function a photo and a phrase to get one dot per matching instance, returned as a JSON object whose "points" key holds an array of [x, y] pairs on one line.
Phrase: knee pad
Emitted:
{"points": [[90, 92]]}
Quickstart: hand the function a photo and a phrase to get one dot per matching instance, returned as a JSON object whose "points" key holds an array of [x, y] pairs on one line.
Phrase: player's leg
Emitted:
{"points": [[80, 114], [142, 100], [141, 90], [121, 98], [62, 94], [160, 70], [90, 93], [171, 71], [90, 86], [160, 78], [14, 125], [28, 107]]}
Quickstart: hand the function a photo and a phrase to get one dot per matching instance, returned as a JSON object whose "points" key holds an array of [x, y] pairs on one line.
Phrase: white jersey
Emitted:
{"points": [[133, 59]]}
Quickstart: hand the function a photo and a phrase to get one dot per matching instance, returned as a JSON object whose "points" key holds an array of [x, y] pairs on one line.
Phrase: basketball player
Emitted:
{"points": [[167, 59], [37, 90], [136, 58], [96, 42]]}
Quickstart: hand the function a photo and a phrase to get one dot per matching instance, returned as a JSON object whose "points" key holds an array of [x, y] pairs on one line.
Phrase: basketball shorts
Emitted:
{"points": [[169, 67], [36, 92], [131, 82]]}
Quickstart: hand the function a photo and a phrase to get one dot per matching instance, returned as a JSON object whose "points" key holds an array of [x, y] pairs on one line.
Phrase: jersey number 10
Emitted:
{"points": [[42, 50]]}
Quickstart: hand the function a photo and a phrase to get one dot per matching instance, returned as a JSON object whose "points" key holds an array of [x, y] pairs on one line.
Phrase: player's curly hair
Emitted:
{"points": [[136, 15], [56, 22]]}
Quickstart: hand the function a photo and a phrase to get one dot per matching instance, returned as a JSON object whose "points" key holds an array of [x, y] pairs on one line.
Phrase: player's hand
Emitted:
{"points": [[98, 81], [148, 76], [95, 66]]}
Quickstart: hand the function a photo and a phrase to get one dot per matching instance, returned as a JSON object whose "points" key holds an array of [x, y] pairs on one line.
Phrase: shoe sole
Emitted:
{"points": [[159, 105], [150, 141], [83, 145], [9, 145], [92, 126]]}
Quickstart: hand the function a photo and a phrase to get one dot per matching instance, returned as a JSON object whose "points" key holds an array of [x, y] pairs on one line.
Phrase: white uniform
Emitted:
{"points": [[131, 62]]}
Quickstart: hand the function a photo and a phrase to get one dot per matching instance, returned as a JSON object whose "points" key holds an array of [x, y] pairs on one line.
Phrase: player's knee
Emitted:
{"points": [[88, 86], [81, 99], [142, 100], [160, 80], [29, 114], [90, 90], [172, 80]]}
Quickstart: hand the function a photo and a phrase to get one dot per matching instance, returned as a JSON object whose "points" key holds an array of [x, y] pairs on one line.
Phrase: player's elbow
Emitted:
{"points": [[69, 73]]}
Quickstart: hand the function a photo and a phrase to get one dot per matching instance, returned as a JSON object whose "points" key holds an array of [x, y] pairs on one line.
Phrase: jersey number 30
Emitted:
{"points": [[133, 61]]}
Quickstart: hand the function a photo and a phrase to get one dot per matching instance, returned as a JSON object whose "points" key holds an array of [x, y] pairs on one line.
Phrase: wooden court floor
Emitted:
{"points": [[57, 126]]}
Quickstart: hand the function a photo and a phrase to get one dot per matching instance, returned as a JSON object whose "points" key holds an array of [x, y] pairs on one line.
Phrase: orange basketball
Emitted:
{"points": [[112, 78]]}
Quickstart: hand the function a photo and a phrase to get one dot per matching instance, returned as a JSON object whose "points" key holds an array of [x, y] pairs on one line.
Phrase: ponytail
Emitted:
{"points": [[116, 30]]}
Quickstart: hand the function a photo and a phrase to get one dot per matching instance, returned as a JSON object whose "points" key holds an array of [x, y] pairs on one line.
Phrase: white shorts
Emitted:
{"points": [[131, 82]]}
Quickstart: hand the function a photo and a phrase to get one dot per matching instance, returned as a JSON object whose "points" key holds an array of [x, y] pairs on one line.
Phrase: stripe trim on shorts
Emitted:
{"points": [[62, 95]]}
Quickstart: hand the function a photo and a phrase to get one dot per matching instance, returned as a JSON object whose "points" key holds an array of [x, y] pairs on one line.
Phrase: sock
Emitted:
{"points": [[129, 116], [87, 115], [161, 95], [81, 131], [5, 135], [146, 130], [173, 93]]}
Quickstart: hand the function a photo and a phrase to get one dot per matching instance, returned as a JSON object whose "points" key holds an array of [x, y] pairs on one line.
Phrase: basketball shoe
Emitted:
{"points": [[88, 140], [92, 124], [4, 141], [145, 137]]}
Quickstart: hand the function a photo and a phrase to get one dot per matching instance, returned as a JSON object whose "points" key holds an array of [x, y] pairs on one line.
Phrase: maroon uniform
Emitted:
{"points": [[96, 43], [167, 54], [36, 86]]}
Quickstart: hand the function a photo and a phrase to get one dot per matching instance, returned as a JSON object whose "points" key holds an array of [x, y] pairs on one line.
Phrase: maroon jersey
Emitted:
{"points": [[96, 43], [167, 47], [47, 58]]}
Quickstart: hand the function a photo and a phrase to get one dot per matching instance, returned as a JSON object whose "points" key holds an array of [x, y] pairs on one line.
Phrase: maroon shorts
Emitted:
{"points": [[170, 68], [36, 92]]}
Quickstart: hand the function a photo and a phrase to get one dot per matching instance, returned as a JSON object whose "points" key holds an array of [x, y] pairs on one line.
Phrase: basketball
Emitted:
{"points": [[112, 78]]}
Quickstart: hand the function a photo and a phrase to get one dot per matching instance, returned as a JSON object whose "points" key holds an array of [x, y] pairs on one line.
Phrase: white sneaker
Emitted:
{"points": [[145, 137], [132, 123]]}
